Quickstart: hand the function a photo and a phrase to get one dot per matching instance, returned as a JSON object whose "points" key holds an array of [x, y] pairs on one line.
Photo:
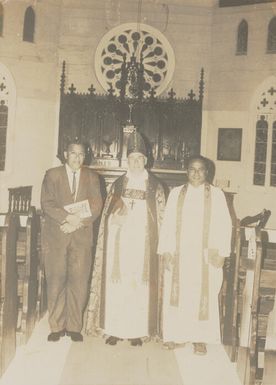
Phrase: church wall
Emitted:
{"points": [[187, 29], [71, 30], [34, 71], [233, 82], [200, 36]]}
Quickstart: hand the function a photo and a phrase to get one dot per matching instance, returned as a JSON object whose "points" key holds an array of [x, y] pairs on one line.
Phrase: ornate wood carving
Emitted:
{"points": [[171, 126]]}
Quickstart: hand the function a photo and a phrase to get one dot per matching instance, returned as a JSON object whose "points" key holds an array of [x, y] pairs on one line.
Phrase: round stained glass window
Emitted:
{"points": [[138, 40]]}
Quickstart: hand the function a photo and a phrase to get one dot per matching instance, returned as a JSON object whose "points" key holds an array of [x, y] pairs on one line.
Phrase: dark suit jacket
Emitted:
{"points": [[56, 193]]}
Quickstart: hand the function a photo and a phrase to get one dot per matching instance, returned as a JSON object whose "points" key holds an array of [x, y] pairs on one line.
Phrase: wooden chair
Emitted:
{"points": [[20, 199], [8, 306]]}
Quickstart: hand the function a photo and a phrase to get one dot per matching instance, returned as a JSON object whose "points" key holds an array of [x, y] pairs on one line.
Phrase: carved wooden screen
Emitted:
{"points": [[172, 127], [95, 120]]}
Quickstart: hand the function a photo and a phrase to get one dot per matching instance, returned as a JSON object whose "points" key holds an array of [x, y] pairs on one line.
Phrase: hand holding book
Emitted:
{"points": [[81, 209], [73, 219], [76, 213]]}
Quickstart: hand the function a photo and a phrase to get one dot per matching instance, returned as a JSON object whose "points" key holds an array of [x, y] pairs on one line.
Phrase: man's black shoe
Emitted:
{"points": [[112, 340], [136, 342], [75, 336], [55, 336]]}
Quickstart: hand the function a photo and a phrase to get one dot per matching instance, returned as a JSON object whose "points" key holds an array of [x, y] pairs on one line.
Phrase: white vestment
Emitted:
{"points": [[181, 323], [127, 301]]}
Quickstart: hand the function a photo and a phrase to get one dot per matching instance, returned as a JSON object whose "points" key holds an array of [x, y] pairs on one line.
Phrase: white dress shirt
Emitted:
{"points": [[70, 174]]}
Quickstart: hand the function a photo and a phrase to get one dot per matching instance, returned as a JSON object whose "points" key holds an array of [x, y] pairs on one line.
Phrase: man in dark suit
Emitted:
{"points": [[68, 239]]}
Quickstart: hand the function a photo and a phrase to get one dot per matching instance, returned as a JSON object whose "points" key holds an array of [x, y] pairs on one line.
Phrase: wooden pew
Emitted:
{"points": [[263, 298], [258, 284], [250, 256], [268, 307], [269, 376], [8, 306], [248, 248], [41, 305], [238, 294], [229, 296], [28, 264], [20, 203], [227, 292]]}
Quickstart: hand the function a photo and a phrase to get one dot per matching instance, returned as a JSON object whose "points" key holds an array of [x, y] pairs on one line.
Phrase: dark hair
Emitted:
{"points": [[71, 143], [208, 164], [199, 158]]}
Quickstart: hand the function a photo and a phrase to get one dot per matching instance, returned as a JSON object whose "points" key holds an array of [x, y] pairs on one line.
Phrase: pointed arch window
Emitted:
{"points": [[271, 36], [7, 116], [242, 38], [265, 140], [260, 151], [1, 19], [273, 156], [3, 133], [29, 25]]}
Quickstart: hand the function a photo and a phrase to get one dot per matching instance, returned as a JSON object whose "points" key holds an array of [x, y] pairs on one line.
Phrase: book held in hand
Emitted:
{"points": [[81, 208]]}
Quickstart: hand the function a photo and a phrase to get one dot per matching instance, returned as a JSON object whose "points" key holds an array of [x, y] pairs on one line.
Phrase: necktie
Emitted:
{"points": [[74, 185]]}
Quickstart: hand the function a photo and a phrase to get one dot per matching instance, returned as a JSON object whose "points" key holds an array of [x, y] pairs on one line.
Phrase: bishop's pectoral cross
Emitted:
{"points": [[131, 204]]}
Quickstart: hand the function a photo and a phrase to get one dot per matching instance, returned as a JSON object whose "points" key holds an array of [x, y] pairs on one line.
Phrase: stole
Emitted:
{"points": [[204, 297]]}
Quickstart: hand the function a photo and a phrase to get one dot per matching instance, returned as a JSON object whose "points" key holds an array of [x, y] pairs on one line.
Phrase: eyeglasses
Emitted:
{"points": [[77, 154], [194, 170]]}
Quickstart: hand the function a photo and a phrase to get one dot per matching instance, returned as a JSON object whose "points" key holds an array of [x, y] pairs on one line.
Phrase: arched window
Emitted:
{"points": [[29, 25], [7, 115], [260, 151], [273, 156], [271, 36], [1, 19], [265, 139], [242, 38], [3, 133]]}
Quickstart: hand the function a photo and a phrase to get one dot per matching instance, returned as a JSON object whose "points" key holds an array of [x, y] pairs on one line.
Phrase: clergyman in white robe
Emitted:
{"points": [[181, 319]]}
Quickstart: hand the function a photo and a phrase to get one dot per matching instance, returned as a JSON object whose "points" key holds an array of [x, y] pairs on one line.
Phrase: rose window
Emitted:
{"points": [[135, 41]]}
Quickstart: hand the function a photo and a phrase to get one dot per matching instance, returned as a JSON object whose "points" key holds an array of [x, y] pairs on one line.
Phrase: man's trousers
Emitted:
{"points": [[67, 270]]}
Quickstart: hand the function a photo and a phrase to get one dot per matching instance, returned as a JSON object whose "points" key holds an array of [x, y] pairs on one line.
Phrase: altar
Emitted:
{"points": [[170, 126]]}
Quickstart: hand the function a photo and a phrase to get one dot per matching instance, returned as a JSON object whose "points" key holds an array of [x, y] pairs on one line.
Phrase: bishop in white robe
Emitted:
{"points": [[195, 238], [124, 297]]}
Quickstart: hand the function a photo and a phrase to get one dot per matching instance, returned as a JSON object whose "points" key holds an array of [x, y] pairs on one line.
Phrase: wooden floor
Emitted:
{"points": [[94, 363]]}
